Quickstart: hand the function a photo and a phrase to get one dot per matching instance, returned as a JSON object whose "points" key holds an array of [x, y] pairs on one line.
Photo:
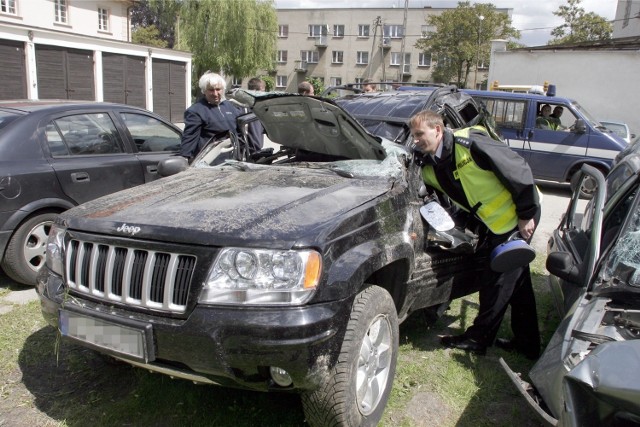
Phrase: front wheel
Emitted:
{"points": [[356, 390], [25, 253]]}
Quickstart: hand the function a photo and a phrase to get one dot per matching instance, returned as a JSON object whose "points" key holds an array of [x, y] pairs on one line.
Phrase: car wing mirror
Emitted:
{"points": [[579, 126], [172, 165], [562, 264]]}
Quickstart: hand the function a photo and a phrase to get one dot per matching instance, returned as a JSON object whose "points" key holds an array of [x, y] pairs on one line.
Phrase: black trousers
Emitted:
{"points": [[501, 290]]}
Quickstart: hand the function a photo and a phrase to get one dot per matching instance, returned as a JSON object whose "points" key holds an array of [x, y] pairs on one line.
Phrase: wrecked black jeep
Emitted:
{"points": [[287, 271]]}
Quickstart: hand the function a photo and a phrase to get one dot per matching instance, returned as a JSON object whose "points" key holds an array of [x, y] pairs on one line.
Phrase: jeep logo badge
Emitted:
{"points": [[132, 230]]}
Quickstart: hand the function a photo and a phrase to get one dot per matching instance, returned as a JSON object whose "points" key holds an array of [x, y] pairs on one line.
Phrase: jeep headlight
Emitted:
{"points": [[55, 249], [261, 276]]}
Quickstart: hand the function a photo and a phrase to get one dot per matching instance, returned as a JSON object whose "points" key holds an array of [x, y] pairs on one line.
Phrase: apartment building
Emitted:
{"points": [[348, 45], [80, 49]]}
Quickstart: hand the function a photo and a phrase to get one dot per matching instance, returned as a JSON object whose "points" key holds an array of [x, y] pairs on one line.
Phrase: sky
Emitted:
{"points": [[534, 18]]}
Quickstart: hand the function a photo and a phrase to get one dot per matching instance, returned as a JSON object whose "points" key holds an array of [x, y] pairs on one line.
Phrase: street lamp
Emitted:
{"points": [[475, 75]]}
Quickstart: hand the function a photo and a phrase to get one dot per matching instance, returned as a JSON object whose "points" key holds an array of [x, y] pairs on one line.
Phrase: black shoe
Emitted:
{"points": [[463, 343], [513, 346]]}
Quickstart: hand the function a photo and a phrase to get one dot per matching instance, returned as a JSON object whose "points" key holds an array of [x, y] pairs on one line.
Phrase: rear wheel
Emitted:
{"points": [[356, 390], [25, 253]]}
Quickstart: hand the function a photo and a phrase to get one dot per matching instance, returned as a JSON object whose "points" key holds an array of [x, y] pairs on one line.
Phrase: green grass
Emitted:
{"points": [[77, 387]]}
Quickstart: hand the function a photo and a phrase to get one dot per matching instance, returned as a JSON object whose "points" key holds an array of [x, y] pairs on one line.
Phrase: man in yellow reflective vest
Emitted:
{"points": [[495, 186]]}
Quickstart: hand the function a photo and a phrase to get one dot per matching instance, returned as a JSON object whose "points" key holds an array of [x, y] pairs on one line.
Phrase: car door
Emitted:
{"points": [[555, 151], [574, 246], [88, 155], [153, 140]]}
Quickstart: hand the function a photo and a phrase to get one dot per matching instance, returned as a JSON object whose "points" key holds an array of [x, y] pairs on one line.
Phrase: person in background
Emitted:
{"points": [[306, 89], [544, 120], [368, 86], [210, 117], [555, 117], [495, 186], [255, 130]]}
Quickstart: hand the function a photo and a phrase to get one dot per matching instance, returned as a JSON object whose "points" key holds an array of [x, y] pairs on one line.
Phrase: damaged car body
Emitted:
{"points": [[280, 272], [589, 374]]}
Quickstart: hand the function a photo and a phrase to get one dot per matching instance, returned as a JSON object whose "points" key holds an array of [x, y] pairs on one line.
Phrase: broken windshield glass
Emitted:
{"points": [[623, 263], [392, 166]]}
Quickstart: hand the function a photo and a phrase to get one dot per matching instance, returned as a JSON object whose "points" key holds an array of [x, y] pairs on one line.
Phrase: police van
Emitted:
{"points": [[555, 146]]}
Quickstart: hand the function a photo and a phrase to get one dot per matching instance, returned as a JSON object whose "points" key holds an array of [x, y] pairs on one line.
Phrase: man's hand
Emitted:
{"points": [[526, 227]]}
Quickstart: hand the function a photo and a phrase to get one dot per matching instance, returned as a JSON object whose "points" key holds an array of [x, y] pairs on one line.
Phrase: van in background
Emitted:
{"points": [[554, 148]]}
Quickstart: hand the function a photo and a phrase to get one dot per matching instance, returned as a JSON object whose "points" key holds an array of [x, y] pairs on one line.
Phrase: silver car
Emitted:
{"points": [[589, 374]]}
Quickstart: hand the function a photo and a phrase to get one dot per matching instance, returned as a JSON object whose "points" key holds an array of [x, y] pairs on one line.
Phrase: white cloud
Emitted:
{"points": [[534, 18]]}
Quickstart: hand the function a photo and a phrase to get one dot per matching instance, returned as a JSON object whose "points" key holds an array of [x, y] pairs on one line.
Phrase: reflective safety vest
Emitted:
{"points": [[486, 195]]}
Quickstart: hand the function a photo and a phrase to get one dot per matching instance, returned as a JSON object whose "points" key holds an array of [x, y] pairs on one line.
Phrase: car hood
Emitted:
{"points": [[313, 124], [268, 205]]}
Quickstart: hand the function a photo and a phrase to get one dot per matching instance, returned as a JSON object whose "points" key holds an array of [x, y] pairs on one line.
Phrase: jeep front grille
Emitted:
{"points": [[135, 277]]}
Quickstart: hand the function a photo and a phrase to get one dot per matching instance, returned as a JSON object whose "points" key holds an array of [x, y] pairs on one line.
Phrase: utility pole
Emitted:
{"points": [[404, 30], [475, 75], [376, 24]]}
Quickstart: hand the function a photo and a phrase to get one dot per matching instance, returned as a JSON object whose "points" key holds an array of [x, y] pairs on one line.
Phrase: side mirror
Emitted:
{"points": [[561, 264], [579, 126], [172, 166]]}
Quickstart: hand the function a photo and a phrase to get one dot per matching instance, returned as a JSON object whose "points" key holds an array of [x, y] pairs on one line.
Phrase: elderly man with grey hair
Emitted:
{"points": [[210, 117]]}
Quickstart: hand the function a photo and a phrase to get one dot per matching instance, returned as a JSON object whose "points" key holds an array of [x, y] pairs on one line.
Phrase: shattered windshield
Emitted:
{"points": [[392, 166], [622, 266]]}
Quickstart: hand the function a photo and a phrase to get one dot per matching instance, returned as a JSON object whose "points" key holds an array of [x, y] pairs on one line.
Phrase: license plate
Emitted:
{"points": [[124, 340]]}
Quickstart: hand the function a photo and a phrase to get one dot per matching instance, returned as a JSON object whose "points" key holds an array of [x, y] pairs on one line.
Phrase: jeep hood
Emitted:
{"points": [[313, 124], [268, 205]]}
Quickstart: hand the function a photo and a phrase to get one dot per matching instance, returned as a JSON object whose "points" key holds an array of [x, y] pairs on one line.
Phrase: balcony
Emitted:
{"points": [[386, 43], [406, 70], [300, 66], [322, 41]]}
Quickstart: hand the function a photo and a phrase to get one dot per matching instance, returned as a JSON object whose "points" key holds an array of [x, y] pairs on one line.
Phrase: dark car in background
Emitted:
{"points": [[589, 374], [57, 154]]}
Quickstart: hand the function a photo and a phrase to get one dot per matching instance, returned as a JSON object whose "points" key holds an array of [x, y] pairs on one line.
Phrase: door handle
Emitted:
{"points": [[80, 177], [152, 169]]}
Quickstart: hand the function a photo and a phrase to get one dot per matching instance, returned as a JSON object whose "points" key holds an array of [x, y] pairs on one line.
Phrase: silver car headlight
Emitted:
{"points": [[55, 249], [262, 276]]}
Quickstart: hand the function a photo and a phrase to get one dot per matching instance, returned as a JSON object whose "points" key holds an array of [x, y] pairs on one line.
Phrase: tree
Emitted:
{"points": [[232, 37], [462, 39], [579, 26], [160, 14], [149, 36]]}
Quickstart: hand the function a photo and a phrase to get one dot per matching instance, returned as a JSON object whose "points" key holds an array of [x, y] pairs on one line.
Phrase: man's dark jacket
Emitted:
{"points": [[507, 165], [202, 121]]}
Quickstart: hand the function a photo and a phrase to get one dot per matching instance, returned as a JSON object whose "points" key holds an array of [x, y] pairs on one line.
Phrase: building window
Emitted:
{"points": [[60, 11], [363, 31], [317, 30], [8, 6], [427, 29], [336, 81], [310, 56], [359, 80], [338, 31], [424, 59], [283, 31], [282, 57], [337, 57], [394, 31], [103, 19], [396, 58], [362, 57], [281, 82]]}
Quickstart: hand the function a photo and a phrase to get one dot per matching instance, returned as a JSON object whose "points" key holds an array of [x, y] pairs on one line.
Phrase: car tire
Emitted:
{"points": [[356, 390], [25, 253]]}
